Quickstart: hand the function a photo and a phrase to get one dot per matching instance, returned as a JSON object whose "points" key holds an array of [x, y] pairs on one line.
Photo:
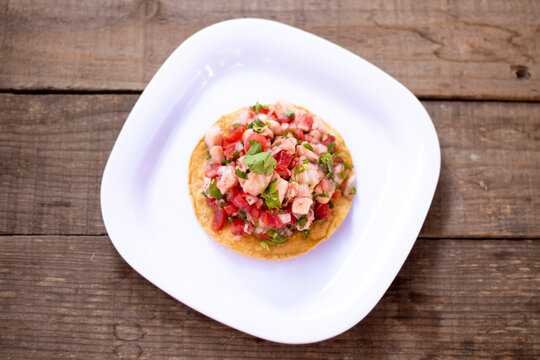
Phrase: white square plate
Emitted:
{"points": [[148, 213]]}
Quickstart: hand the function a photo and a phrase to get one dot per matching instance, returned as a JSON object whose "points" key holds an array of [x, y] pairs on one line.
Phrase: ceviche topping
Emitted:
{"points": [[274, 172]]}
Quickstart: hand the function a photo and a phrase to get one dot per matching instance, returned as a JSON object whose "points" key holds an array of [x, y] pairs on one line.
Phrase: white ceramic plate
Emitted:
{"points": [[148, 213]]}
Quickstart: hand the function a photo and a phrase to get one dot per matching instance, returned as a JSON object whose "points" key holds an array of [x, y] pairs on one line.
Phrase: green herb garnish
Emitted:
{"points": [[213, 191], [208, 156], [261, 163], [235, 125], [308, 146], [331, 147], [305, 234], [235, 154], [241, 174], [257, 107], [353, 191], [347, 165], [225, 161], [254, 147], [257, 125], [256, 223], [204, 194], [289, 113], [301, 168], [302, 221], [222, 205], [271, 195], [326, 162]]}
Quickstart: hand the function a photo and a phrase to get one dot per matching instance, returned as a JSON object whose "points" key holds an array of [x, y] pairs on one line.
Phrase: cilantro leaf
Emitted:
{"points": [[208, 156], [277, 238], [302, 221], [305, 234], [353, 191], [260, 163], [241, 174], [326, 162], [235, 125], [257, 125], [331, 146], [347, 165], [257, 107], [289, 113], [271, 196], [213, 191], [308, 146], [254, 147]]}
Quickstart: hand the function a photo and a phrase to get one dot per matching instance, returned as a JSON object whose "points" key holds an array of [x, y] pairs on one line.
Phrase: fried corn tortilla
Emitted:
{"points": [[249, 244]]}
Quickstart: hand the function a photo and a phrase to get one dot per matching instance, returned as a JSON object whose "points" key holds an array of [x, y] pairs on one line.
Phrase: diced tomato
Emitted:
{"points": [[285, 119], [229, 150], [264, 111], [239, 201], [328, 139], [230, 209], [253, 212], [231, 194], [234, 135], [283, 159], [322, 211], [220, 219], [272, 220], [305, 121], [237, 227], [325, 184], [211, 171], [259, 204], [337, 159], [255, 137], [213, 203], [299, 134]]}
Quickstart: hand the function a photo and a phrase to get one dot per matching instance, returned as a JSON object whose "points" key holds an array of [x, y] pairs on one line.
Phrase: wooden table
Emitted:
{"points": [[70, 72]]}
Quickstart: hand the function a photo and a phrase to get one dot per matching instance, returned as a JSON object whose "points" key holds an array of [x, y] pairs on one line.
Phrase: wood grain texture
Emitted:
{"points": [[74, 297], [53, 149], [457, 49]]}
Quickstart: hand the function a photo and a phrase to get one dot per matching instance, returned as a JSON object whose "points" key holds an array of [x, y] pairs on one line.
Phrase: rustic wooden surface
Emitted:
{"points": [[70, 72], [462, 49], [74, 296]]}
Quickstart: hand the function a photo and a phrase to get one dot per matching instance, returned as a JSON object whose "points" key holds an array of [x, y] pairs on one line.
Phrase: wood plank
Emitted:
{"points": [[463, 49], [63, 297], [53, 149]]}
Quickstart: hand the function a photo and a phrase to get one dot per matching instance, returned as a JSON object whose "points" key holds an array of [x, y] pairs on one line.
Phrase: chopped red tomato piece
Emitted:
{"points": [[285, 119], [230, 209], [337, 159], [272, 220], [325, 184], [220, 219], [234, 135], [299, 134], [255, 137], [264, 110], [213, 203], [328, 139], [305, 121], [283, 159], [322, 211], [211, 171], [239, 201], [237, 227], [229, 150], [253, 212]]}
